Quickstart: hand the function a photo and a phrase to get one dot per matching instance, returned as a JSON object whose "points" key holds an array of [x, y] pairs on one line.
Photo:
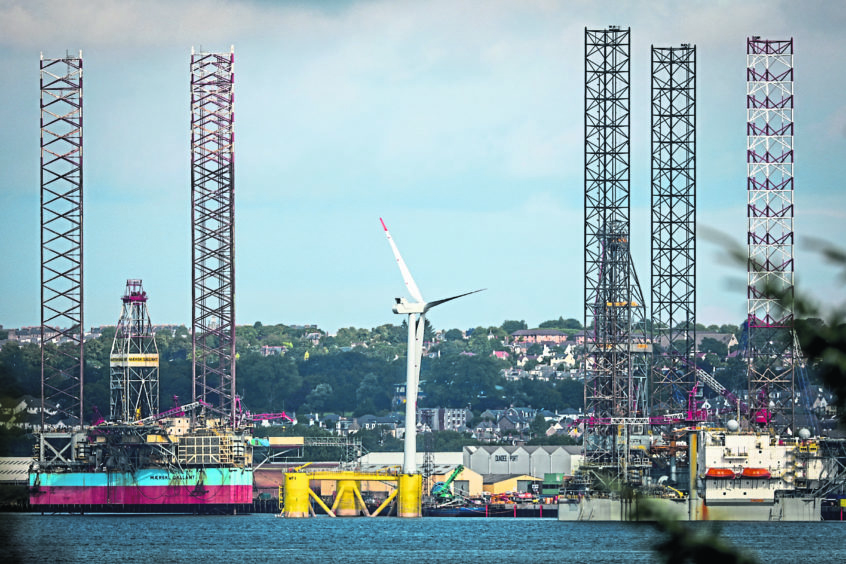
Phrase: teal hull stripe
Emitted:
{"points": [[146, 477]]}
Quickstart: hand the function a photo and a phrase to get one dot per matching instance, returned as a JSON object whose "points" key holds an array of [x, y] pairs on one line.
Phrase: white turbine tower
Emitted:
{"points": [[416, 325]]}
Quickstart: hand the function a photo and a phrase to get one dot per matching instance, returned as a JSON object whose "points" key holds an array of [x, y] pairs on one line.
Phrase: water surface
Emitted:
{"points": [[99, 539]]}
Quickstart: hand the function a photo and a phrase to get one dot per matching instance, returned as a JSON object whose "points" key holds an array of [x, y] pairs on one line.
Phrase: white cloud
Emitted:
{"points": [[125, 24]]}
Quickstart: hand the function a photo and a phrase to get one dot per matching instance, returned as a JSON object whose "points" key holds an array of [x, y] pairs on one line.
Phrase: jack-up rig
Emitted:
{"points": [[749, 460], [142, 460], [190, 458]]}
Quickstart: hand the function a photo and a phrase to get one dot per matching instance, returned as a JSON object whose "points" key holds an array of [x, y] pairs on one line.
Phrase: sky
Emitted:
{"points": [[458, 122]]}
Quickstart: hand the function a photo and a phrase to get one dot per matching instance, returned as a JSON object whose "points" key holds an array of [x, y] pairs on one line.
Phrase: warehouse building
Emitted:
{"points": [[529, 460]]}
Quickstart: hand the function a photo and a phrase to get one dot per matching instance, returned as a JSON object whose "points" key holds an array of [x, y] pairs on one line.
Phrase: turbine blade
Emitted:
{"points": [[406, 275], [430, 305]]}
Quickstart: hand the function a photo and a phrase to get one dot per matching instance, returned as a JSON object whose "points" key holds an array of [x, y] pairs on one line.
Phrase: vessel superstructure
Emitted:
{"points": [[731, 475]]}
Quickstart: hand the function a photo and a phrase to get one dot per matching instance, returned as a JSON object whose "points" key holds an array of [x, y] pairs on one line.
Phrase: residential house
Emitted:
{"points": [[727, 339], [330, 421], [366, 421], [492, 414], [267, 350], [514, 374], [486, 432], [313, 337], [398, 401], [553, 336]]}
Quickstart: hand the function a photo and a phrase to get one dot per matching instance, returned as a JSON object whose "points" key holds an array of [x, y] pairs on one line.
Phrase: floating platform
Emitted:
{"points": [[152, 489]]}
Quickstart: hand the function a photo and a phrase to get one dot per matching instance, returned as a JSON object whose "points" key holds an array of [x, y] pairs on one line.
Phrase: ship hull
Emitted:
{"points": [[603, 509], [153, 487]]}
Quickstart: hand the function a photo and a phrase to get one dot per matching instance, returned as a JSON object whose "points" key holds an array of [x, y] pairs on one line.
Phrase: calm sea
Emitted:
{"points": [[102, 539]]}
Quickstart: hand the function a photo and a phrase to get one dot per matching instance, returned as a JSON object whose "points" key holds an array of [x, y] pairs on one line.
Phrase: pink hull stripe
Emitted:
{"points": [[140, 495]]}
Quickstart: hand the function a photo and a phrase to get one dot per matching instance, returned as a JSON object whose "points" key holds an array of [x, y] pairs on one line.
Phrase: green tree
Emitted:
{"points": [[509, 325], [464, 380], [733, 374], [454, 335], [553, 440], [479, 343], [318, 398], [20, 369], [539, 426], [447, 441], [450, 348], [552, 323], [265, 381], [561, 324], [730, 329], [709, 345], [572, 323], [534, 349], [15, 442], [368, 390], [391, 334]]}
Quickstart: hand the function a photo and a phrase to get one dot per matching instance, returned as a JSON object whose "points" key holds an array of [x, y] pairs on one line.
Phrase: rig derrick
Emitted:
{"points": [[616, 343]]}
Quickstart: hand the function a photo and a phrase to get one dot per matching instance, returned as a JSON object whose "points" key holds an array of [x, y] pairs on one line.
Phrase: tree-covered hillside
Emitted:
{"points": [[354, 371]]}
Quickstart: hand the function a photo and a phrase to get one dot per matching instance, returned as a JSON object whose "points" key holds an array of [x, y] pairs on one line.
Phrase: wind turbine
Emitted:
{"points": [[416, 325]]}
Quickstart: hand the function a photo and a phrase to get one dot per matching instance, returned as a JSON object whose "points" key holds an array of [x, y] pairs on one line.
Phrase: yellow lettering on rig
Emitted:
{"points": [[134, 360]]}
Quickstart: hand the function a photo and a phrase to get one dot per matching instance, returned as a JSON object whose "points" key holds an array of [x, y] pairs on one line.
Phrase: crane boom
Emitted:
{"points": [[174, 412], [269, 416], [441, 489]]}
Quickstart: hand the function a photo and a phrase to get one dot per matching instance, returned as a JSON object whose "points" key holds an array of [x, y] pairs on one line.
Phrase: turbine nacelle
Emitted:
{"points": [[403, 306]]}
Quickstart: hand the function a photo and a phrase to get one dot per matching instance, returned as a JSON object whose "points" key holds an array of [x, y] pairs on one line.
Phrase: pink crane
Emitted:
{"points": [[244, 415]]}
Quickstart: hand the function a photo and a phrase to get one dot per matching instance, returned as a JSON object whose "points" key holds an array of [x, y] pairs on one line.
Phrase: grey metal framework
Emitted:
{"points": [[134, 361], [428, 462], [62, 328], [616, 368], [769, 158], [213, 230], [673, 227]]}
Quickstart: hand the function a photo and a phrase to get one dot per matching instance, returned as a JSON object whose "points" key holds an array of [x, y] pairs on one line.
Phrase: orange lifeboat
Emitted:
{"points": [[762, 473], [719, 473]]}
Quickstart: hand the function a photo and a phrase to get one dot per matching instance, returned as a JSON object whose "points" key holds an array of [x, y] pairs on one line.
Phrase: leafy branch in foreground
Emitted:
{"points": [[681, 543], [824, 345]]}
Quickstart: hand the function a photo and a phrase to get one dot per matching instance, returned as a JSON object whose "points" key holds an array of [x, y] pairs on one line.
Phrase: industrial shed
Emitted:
{"points": [[531, 460], [503, 483]]}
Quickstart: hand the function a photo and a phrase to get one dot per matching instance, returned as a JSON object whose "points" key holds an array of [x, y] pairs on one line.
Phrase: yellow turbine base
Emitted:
{"points": [[347, 503], [410, 495], [295, 495]]}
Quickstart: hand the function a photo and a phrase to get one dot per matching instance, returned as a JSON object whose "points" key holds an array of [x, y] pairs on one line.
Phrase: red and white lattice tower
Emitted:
{"points": [[134, 361], [769, 157]]}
